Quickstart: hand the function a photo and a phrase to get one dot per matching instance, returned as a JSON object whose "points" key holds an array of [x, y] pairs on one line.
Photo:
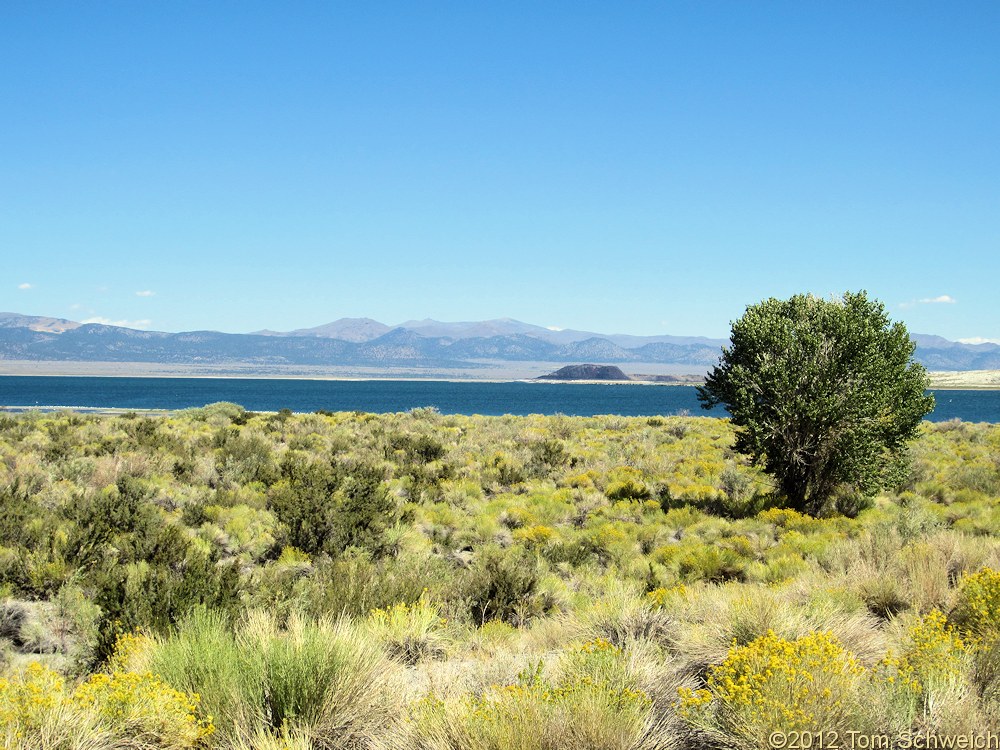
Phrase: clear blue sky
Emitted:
{"points": [[622, 167]]}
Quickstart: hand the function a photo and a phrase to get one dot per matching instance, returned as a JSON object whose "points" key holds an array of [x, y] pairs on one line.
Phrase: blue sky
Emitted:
{"points": [[635, 167]]}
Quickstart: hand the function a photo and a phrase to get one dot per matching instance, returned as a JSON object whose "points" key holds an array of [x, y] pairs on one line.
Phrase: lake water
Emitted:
{"points": [[395, 395]]}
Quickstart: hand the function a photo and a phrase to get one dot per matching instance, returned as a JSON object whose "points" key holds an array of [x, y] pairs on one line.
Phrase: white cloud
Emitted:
{"points": [[25, 286], [120, 323], [145, 293], [555, 328], [942, 299], [978, 340]]}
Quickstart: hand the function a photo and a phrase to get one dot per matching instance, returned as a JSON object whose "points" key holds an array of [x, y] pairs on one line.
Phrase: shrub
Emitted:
{"points": [[27, 696], [986, 670], [589, 707], [621, 618], [667, 597], [159, 593], [328, 508], [536, 536], [628, 489], [203, 656], [13, 617], [713, 564], [503, 586], [143, 711], [314, 678], [36, 712], [883, 595], [356, 584], [774, 684], [411, 632], [547, 455], [244, 457], [934, 659], [121, 709], [977, 612]]}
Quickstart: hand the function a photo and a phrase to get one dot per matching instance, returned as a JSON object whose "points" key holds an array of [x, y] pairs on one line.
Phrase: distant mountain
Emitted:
{"points": [[682, 354], [468, 330], [366, 329], [960, 357], [423, 343], [518, 347], [596, 348], [345, 329], [34, 323]]}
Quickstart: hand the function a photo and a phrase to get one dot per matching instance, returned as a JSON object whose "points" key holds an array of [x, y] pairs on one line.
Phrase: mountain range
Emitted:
{"points": [[416, 343]]}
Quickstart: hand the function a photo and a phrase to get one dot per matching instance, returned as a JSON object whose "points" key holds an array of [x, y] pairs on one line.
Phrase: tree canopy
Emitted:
{"points": [[825, 393]]}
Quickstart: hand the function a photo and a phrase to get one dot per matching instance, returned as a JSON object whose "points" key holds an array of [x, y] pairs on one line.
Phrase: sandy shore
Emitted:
{"points": [[966, 380]]}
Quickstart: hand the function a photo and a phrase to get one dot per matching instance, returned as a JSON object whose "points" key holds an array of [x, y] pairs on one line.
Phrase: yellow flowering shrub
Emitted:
{"points": [[587, 480], [515, 517], [142, 706], [771, 684], [935, 653], [27, 698], [130, 648], [536, 535], [787, 518], [596, 662], [36, 712], [139, 707], [977, 612], [743, 546], [664, 598], [934, 658]]}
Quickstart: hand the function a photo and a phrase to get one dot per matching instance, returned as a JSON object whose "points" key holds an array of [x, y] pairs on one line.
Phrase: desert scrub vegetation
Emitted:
{"points": [[417, 580], [117, 709]]}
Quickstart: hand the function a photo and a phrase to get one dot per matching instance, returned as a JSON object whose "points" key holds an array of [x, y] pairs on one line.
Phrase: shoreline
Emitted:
{"points": [[522, 372], [963, 380], [360, 379], [495, 371]]}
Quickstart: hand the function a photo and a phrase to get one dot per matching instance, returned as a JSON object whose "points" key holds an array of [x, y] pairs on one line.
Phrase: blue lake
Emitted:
{"points": [[396, 395]]}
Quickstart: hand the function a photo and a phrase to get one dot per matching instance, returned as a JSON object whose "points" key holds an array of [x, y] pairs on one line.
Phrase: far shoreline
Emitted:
{"points": [[963, 380], [345, 379], [528, 372]]}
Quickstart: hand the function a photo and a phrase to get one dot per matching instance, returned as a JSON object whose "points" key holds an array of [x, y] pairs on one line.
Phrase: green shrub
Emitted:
{"points": [[328, 508], [593, 705], [158, 594], [503, 585], [710, 563], [312, 678], [410, 633], [243, 457]]}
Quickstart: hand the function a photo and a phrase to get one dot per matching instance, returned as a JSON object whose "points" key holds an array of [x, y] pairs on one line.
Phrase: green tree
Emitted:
{"points": [[825, 393]]}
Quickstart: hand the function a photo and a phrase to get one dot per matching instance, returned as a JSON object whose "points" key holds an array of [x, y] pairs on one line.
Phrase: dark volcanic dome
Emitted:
{"points": [[586, 372]]}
